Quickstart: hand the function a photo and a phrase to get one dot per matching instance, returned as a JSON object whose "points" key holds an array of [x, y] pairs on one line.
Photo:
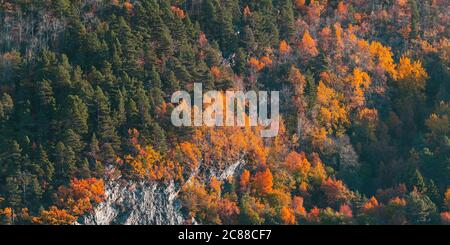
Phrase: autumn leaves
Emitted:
{"points": [[73, 201], [306, 47]]}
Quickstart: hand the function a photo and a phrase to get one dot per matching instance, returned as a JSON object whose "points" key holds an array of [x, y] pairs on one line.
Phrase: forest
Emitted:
{"points": [[364, 137]]}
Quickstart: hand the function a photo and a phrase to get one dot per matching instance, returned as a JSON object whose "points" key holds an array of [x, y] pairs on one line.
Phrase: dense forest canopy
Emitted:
{"points": [[85, 90]]}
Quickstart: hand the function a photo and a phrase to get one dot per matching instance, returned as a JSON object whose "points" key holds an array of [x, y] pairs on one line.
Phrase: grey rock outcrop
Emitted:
{"points": [[147, 203], [137, 203]]}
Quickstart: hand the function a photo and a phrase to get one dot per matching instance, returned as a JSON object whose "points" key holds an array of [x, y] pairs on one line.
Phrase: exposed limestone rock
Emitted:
{"points": [[144, 203]]}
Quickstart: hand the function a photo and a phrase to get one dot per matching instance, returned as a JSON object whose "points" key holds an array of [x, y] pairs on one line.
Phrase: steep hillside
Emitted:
{"points": [[85, 112]]}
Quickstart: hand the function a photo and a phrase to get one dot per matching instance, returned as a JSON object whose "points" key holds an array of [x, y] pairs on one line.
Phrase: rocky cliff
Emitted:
{"points": [[148, 203]]}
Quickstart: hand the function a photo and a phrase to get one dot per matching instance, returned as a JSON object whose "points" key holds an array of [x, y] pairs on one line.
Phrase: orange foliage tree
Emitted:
{"points": [[263, 181], [284, 47], [247, 11], [256, 64], [245, 179], [54, 216], [287, 216], [445, 218], [215, 71], [215, 185], [308, 45], [371, 205], [75, 200], [297, 205], [188, 154], [298, 163], [266, 60], [80, 195], [128, 6], [447, 199], [178, 12], [6, 215], [300, 3], [228, 211], [346, 210], [335, 191], [201, 205]]}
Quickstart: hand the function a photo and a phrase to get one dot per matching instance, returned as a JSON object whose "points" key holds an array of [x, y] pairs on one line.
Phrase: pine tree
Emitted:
{"points": [[105, 126], [84, 88], [108, 154], [129, 47], [204, 76], [46, 165], [74, 141], [418, 181], [13, 193], [13, 160], [77, 115], [45, 94], [248, 39], [209, 18], [171, 83], [286, 20], [64, 161], [420, 209], [70, 162], [213, 56], [132, 113], [415, 18], [161, 35], [83, 169], [143, 106], [227, 37], [36, 190], [433, 192], [120, 111], [6, 106], [158, 138], [180, 71], [61, 78], [155, 87], [240, 62], [94, 149]]}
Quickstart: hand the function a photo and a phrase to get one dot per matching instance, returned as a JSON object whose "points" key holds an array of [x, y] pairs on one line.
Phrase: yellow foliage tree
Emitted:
{"points": [[143, 163], [318, 173], [359, 82], [411, 76], [383, 56], [333, 114], [54, 216]]}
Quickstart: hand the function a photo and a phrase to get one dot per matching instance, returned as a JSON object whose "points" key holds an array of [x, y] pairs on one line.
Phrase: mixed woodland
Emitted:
{"points": [[85, 88]]}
